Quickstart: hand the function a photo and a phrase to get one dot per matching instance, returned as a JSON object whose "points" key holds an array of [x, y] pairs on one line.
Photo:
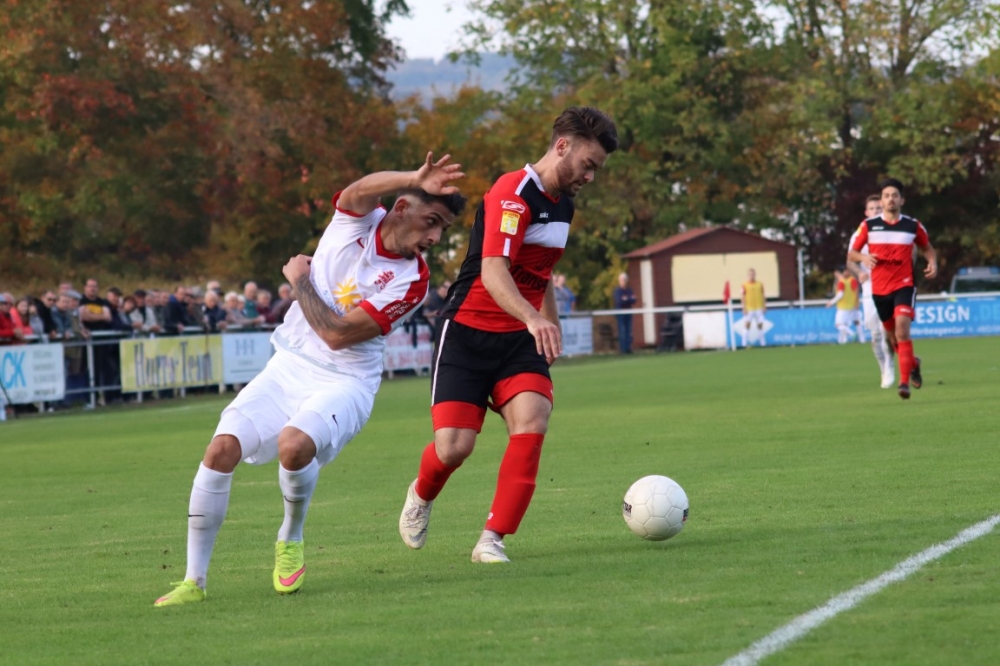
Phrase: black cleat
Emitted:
{"points": [[904, 391], [915, 377]]}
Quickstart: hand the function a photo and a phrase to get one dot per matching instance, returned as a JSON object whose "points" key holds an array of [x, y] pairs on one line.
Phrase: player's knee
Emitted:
{"points": [[454, 445], [296, 449], [223, 454]]}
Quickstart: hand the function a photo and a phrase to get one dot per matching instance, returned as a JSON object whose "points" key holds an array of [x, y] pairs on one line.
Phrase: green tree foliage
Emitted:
{"points": [[778, 114], [672, 75]]}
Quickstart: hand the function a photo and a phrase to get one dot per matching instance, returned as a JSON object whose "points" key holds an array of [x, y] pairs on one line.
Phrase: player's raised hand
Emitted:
{"points": [[297, 267], [436, 177], [548, 338]]}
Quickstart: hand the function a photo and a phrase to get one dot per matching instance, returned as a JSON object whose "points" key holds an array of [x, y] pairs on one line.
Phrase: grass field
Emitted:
{"points": [[805, 480]]}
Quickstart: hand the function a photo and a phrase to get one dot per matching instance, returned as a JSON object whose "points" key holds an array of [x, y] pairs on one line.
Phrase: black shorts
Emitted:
{"points": [[469, 364], [904, 299]]}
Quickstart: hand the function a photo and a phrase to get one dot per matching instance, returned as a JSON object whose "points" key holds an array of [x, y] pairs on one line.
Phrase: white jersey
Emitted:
{"points": [[866, 286], [351, 268]]}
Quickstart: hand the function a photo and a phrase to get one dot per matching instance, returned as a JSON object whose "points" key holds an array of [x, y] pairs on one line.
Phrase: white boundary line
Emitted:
{"points": [[803, 624]]}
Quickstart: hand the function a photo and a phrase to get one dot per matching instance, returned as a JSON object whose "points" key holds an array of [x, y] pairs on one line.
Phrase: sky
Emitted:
{"points": [[432, 30]]}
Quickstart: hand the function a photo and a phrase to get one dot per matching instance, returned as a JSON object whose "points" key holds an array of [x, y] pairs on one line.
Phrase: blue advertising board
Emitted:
{"points": [[950, 318]]}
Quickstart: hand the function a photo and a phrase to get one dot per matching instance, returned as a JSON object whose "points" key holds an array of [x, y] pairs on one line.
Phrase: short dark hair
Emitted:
{"points": [[454, 202], [586, 123], [141, 293], [115, 290], [841, 268], [890, 182], [873, 197]]}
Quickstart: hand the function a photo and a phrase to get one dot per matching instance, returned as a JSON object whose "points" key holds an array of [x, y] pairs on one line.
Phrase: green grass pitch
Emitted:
{"points": [[805, 480]]}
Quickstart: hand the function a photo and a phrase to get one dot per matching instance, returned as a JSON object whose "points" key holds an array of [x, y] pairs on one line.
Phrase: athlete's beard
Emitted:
{"points": [[564, 177]]}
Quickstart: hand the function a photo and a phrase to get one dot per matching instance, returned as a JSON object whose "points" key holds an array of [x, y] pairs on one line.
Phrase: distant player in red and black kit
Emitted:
{"points": [[890, 238], [501, 330]]}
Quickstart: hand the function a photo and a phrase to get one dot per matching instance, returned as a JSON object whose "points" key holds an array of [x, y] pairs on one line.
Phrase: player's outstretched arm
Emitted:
{"points": [[336, 331], [363, 196]]}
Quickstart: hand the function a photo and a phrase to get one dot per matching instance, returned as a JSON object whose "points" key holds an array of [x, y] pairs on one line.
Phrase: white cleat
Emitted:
{"points": [[414, 519], [489, 551], [888, 378]]}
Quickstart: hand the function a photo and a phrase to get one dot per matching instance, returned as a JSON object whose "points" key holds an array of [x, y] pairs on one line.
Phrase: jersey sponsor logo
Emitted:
{"points": [[524, 278], [346, 296], [384, 278], [507, 204], [543, 216], [396, 310], [508, 223]]}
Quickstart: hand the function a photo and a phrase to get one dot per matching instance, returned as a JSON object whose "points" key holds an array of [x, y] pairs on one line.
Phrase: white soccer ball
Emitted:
{"points": [[655, 508]]}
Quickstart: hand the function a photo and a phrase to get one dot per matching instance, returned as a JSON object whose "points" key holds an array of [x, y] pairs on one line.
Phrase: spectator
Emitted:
{"points": [[250, 300], [264, 306], [432, 306], [44, 307], [280, 307], [66, 287], [9, 334], [565, 299], [140, 317], [21, 316], [156, 309], [95, 312], [177, 311], [624, 299], [213, 285], [119, 320], [212, 313], [235, 316], [66, 316]]}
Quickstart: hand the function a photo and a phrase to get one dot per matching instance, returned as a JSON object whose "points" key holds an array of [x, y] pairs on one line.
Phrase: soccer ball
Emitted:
{"points": [[655, 508]]}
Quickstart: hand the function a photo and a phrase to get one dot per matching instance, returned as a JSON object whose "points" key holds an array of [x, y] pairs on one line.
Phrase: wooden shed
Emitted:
{"points": [[692, 268]]}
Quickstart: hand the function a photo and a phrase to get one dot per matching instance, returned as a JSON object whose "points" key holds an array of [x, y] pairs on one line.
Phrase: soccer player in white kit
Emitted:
{"points": [[317, 391], [880, 347]]}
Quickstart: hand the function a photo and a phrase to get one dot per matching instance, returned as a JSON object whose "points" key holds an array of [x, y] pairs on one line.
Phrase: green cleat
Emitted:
{"points": [[289, 566], [183, 593]]}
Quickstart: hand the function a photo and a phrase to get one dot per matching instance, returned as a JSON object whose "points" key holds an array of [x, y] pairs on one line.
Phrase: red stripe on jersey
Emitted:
{"points": [[398, 309], [335, 199]]}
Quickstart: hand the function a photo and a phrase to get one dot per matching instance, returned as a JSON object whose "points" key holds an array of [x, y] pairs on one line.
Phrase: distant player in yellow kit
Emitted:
{"points": [[754, 307], [846, 300]]}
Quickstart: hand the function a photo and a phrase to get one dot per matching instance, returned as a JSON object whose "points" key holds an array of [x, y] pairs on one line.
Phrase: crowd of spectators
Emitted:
{"points": [[66, 315]]}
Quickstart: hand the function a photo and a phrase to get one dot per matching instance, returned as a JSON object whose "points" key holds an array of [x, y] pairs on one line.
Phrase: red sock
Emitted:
{"points": [[516, 483], [433, 474], [906, 362]]}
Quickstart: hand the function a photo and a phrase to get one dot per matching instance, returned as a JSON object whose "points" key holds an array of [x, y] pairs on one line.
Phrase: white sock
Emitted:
{"points": [[206, 511], [879, 350], [297, 488]]}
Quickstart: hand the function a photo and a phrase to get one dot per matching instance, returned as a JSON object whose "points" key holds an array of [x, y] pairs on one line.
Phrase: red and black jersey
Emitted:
{"points": [[892, 244], [519, 220]]}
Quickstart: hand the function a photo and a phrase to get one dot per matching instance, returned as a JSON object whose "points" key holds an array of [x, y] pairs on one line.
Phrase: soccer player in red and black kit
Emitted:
{"points": [[501, 330], [890, 238]]}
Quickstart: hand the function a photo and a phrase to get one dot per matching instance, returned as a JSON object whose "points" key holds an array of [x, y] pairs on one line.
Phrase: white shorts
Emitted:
{"points": [[847, 318], [753, 316], [329, 407], [872, 322]]}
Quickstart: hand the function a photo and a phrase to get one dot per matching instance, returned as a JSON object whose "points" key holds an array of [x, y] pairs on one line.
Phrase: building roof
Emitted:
{"points": [[688, 236]]}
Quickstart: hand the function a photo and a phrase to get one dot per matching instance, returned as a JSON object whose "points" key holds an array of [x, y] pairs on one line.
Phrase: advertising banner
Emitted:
{"points": [[950, 318], [577, 335], [244, 355], [403, 352], [164, 363], [33, 373]]}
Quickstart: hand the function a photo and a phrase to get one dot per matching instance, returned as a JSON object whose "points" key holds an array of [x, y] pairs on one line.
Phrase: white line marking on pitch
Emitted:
{"points": [[803, 624]]}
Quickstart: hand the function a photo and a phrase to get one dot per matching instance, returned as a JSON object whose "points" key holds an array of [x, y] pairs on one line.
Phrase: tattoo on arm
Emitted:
{"points": [[319, 315]]}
